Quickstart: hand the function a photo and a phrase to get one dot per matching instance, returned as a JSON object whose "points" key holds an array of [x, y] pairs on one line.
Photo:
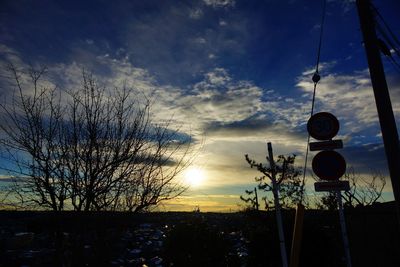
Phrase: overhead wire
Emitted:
{"points": [[386, 25], [390, 40], [316, 77], [387, 39]]}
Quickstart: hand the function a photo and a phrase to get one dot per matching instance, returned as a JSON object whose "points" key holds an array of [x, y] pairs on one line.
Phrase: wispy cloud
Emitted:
{"points": [[349, 97], [220, 3]]}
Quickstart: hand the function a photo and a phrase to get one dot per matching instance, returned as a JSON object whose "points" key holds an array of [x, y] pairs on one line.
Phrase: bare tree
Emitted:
{"points": [[363, 191], [92, 149], [31, 126], [155, 180]]}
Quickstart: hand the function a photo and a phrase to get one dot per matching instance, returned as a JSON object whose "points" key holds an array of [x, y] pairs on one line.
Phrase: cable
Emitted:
{"points": [[387, 39], [386, 25], [385, 49], [320, 36], [316, 77], [395, 64]]}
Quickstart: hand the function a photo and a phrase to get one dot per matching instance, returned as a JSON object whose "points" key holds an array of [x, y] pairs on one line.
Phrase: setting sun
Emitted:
{"points": [[194, 177]]}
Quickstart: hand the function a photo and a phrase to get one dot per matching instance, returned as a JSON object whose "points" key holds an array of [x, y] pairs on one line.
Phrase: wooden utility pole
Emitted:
{"points": [[297, 236], [382, 98]]}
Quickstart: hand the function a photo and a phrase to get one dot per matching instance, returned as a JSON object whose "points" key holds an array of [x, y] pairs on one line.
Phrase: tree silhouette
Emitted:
{"points": [[89, 149], [250, 199], [363, 191], [287, 180]]}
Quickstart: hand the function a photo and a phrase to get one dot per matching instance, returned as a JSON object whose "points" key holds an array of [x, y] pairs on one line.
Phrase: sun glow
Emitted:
{"points": [[194, 177]]}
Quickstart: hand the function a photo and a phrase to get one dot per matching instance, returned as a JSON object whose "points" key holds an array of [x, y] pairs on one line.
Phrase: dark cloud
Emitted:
{"points": [[252, 127], [366, 158], [247, 127]]}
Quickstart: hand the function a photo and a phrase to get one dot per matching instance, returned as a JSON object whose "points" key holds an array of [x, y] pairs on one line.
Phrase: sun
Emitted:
{"points": [[194, 177]]}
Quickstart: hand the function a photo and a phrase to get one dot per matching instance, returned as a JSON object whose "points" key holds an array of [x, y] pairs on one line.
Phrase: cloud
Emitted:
{"points": [[249, 127], [172, 41], [222, 23], [349, 97], [220, 98], [346, 5], [9, 55], [199, 41], [220, 3], [253, 128], [366, 158], [239, 117], [207, 66], [196, 13], [176, 48]]}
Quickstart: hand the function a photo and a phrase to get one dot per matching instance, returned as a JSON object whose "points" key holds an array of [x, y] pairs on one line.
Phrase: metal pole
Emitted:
{"points": [[385, 112], [256, 196], [344, 230], [275, 190]]}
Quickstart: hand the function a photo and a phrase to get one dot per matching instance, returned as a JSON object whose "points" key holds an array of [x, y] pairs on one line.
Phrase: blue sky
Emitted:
{"points": [[234, 74]]}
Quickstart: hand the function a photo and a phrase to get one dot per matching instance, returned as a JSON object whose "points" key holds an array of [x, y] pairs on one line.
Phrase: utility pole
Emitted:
{"points": [[382, 98], [275, 191], [344, 230]]}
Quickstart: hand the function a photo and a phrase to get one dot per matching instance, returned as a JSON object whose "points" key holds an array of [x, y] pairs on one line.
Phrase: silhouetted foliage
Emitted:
{"points": [[328, 201], [88, 149], [252, 200], [287, 179]]}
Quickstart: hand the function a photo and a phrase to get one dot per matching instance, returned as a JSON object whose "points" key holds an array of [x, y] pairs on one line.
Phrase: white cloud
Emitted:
{"points": [[199, 40], [323, 67], [219, 3], [217, 77], [349, 97], [196, 13], [8, 83], [222, 23], [220, 98], [9, 55]]}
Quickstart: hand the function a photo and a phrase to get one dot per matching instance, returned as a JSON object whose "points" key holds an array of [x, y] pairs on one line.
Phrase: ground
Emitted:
{"points": [[194, 238]]}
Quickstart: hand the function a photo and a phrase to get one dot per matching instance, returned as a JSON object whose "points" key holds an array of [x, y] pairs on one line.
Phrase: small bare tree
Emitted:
{"points": [[363, 191], [90, 149]]}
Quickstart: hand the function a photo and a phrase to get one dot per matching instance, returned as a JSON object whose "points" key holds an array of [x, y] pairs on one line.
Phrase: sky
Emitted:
{"points": [[232, 74]]}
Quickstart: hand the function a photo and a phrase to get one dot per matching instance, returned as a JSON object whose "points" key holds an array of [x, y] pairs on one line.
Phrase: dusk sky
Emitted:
{"points": [[233, 74]]}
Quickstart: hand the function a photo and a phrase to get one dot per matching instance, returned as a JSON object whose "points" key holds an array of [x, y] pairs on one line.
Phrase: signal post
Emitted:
{"points": [[329, 165]]}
